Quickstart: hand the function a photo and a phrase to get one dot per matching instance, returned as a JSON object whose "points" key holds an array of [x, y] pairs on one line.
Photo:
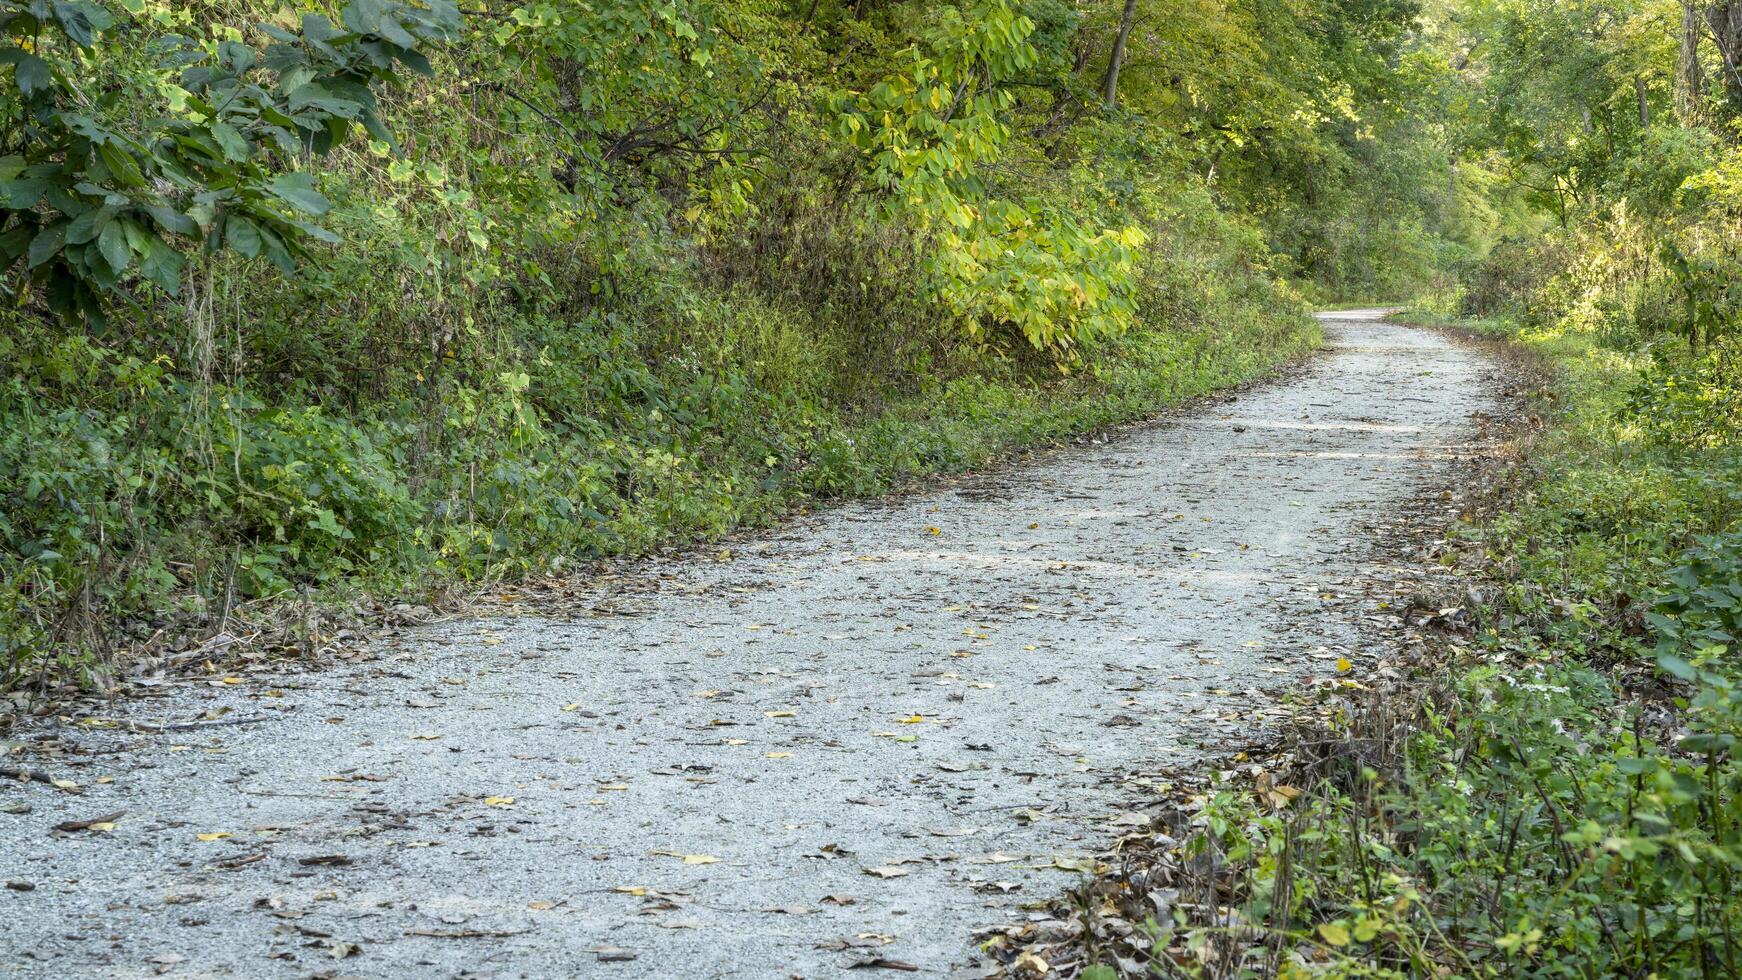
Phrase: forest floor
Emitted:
{"points": [[850, 742]]}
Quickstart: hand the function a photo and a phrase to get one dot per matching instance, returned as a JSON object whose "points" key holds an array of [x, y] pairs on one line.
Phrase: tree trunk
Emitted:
{"points": [[1110, 81], [1690, 78], [1725, 20], [1639, 96]]}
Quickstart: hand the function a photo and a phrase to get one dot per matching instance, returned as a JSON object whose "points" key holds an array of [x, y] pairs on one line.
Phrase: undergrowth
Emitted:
{"points": [[1557, 795], [145, 504]]}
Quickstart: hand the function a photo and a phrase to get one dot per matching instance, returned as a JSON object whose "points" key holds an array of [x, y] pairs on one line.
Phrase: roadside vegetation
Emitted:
{"points": [[307, 303], [1553, 790], [316, 300]]}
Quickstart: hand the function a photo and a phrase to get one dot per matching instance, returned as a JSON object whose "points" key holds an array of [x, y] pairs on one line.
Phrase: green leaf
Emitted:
{"points": [[230, 140], [163, 265], [298, 189], [172, 221], [112, 243], [1675, 666], [241, 235], [87, 226], [32, 73], [121, 165], [46, 244]]}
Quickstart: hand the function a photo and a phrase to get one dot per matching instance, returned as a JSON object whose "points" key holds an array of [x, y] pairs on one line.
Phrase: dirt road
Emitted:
{"points": [[853, 740]]}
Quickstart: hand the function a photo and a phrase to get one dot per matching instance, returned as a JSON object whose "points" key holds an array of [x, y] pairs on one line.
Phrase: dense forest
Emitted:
{"points": [[318, 306], [387, 295]]}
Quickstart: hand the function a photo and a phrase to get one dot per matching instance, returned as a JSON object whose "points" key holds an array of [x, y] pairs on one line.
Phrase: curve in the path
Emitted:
{"points": [[869, 733]]}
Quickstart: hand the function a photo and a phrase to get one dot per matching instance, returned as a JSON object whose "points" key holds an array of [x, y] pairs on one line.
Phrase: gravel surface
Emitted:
{"points": [[848, 742]]}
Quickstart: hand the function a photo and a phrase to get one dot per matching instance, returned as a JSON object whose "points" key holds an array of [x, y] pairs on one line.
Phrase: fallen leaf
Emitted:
{"points": [[687, 858], [780, 714], [498, 801], [778, 755], [215, 835], [915, 720], [886, 872], [104, 822], [884, 963]]}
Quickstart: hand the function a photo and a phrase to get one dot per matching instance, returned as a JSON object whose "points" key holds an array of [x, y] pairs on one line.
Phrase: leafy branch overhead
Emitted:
{"points": [[117, 165]]}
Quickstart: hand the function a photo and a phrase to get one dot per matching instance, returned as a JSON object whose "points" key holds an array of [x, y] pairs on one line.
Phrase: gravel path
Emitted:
{"points": [[850, 742]]}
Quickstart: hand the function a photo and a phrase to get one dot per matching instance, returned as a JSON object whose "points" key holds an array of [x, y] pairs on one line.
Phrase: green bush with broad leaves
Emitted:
{"points": [[313, 299], [193, 144]]}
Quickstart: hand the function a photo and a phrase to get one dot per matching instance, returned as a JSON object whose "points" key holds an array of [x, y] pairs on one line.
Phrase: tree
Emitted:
{"points": [[1690, 77], [1725, 20], [90, 195], [1110, 82]]}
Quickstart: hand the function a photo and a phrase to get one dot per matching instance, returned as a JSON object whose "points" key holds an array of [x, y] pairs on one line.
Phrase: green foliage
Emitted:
{"points": [[1553, 808], [583, 278], [193, 144]]}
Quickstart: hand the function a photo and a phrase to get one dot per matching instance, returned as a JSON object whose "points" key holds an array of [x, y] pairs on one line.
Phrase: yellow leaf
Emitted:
{"points": [[687, 858], [934, 531], [1343, 665], [103, 825], [217, 835], [780, 714], [575, 706], [915, 720], [778, 755], [635, 890], [1334, 933], [498, 801], [232, 680]]}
